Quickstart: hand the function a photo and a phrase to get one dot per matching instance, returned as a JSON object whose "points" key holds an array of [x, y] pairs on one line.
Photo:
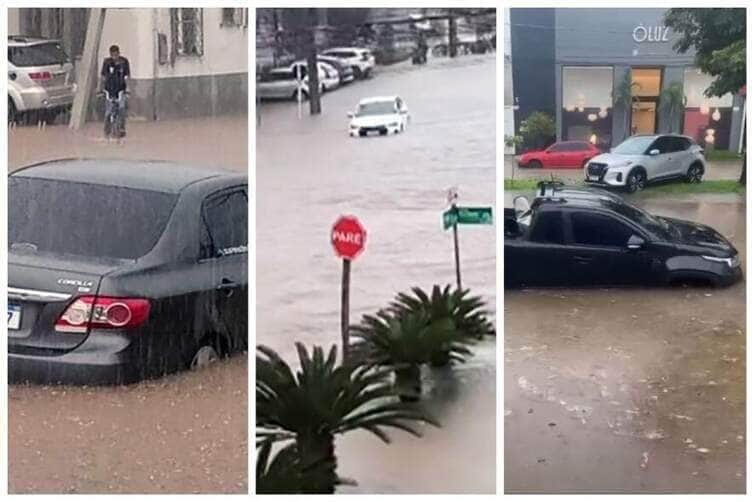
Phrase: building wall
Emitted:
{"points": [[618, 40], [14, 21], [215, 83], [533, 61]]}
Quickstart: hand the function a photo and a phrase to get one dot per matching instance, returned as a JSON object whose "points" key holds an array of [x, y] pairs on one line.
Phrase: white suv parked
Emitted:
{"points": [[646, 158], [361, 60], [40, 76]]}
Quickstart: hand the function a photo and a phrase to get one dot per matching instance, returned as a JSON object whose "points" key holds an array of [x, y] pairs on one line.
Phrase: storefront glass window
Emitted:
{"points": [[587, 104], [706, 119]]}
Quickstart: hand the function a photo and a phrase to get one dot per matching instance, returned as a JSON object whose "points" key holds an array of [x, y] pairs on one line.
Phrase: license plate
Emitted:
{"points": [[14, 317], [594, 178]]}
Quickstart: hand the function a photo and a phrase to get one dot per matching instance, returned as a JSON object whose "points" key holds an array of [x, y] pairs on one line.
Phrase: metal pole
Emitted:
{"points": [[344, 306], [457, 253]]}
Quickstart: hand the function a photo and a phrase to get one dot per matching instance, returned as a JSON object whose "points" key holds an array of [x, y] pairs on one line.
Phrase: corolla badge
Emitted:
{"points": [[83, 286]]}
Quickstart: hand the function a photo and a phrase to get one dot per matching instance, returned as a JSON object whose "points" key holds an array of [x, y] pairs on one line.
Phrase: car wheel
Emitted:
{"points": [[534, 164], [694, 174], [205, 356], [357, 72], [12, 113], [635, 181]]}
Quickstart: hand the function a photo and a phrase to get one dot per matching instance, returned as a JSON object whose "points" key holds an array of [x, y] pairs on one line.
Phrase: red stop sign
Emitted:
{"points": [[348, 237]]}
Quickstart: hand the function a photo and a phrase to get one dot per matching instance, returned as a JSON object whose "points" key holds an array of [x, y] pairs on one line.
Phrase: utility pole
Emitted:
{"points": [[452, 34], [89, 67], [315, 106]]}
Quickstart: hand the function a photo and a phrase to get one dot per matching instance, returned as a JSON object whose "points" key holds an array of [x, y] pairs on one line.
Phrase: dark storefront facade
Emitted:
{"points": [[605, 74]]}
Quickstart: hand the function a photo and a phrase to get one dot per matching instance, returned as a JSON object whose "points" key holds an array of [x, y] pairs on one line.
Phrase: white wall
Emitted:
{"points": [[694, 84], [135, 31], [225, 48], [131, 30], [14, 21]]}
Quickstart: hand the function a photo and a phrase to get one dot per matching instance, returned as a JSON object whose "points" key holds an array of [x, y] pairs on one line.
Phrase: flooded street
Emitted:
{"points": [[308, 173], [186, 433], [632, 390]]}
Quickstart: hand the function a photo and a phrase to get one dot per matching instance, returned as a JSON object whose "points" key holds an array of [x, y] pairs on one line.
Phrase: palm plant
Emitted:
{"points": [[321, 400], [403, 341], [469, 320], [623, 97], [285, 472], [674, 101]]}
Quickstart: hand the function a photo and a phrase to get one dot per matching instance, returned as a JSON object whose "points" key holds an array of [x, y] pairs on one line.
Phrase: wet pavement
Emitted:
{"points": [[630, 390], [308, 173], [716, 170], [186, 433]]}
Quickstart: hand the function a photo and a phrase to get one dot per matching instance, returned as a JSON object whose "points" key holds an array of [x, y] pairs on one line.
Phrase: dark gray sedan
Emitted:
{"points": [[124, 270]]}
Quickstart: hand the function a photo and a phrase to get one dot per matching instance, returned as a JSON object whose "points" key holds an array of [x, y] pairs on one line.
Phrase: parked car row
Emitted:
{"points": [[336, 67], [638, 160]]}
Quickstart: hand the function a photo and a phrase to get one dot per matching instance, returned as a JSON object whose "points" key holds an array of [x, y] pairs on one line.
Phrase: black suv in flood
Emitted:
{"points": [[574, 236]]}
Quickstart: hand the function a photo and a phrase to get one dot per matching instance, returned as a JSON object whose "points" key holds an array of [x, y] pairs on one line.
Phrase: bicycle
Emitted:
{"points": [[114, 121]]}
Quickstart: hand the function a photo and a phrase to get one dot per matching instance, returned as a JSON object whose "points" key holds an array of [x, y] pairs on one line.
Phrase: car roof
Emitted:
{"points": [[18, 40], [377, 99], [556, 192], [158, 176]]}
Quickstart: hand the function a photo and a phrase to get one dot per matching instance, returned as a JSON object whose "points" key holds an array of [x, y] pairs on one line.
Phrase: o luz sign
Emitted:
{"points": [[650, 33]]}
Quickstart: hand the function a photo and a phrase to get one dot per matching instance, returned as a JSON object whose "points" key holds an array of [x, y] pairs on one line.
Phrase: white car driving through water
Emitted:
{"points": [[382, 115]]}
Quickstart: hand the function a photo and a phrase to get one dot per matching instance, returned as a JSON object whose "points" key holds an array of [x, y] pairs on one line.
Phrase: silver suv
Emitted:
{"points": [[646, 158], [40, 76]]}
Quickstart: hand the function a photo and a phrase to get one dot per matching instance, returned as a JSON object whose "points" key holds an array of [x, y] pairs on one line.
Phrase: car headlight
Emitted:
{"points": [[732, 261], [625, 163], [353, 126]]}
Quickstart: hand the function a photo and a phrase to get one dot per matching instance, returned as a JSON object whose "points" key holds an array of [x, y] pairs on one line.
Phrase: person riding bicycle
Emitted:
{"points": [[115, 74]]}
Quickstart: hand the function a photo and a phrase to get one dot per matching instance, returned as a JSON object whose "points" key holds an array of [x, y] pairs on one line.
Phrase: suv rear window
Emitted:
{"points": [[37, 55], [84, 219]]}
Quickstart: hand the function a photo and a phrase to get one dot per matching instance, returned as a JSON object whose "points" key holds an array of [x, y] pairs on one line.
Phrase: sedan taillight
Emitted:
{"points": [[102, 312]]}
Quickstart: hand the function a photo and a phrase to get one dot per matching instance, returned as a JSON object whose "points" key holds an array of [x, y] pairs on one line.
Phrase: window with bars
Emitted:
{"points": [[188, 31], [235, 18]]}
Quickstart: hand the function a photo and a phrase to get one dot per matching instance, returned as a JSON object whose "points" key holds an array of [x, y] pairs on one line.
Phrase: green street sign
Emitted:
{"points": [[449, 218], [466, 216]]}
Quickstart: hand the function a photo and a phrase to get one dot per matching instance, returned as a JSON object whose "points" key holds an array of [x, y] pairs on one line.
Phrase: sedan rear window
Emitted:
{"points": [[83, 219], [37, 55]]}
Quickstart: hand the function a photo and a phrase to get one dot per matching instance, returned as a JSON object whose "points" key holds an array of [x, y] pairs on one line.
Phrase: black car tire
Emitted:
{"points": [[534, 164], [204, 356], [695, 173], [635, 181], [357, 72], [12, 113]]}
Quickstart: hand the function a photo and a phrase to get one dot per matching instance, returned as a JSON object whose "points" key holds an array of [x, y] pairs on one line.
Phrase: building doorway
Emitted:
{"points": [[645, 90]]}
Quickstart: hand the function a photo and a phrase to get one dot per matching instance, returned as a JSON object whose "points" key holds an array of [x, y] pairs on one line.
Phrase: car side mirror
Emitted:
{"points": [[654, 152], [635, 242], [350, 115]]}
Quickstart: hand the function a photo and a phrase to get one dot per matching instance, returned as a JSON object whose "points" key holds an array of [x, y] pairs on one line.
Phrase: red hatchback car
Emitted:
{"points": [[565, 154]]}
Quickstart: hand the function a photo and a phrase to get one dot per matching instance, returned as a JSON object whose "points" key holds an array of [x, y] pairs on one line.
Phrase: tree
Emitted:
{"points": [[673, 100], [623, 97], [311, 406], [402, 342], [469, 320], [719, 38], [538, 129]]}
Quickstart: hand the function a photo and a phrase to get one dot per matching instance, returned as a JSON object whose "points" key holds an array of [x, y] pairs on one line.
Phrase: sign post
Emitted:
{"points": [[348, 238], [456, 215]]}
